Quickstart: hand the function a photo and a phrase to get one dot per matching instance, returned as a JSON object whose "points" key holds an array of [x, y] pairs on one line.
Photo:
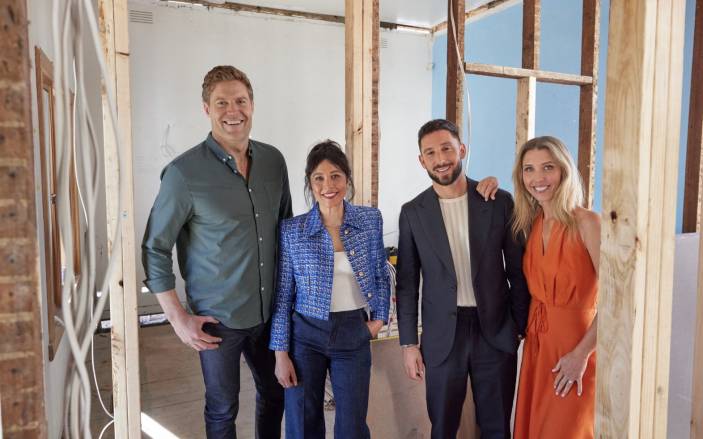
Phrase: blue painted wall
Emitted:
{"points": [[497, 40]]}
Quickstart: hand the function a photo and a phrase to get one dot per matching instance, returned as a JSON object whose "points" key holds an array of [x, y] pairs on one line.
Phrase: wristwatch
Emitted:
{"points": [[409, 345]]}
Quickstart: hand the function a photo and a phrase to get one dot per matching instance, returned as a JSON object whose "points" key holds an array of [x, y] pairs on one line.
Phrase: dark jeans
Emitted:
{"points": [[492, 374], [340, 345], [221, 375]]}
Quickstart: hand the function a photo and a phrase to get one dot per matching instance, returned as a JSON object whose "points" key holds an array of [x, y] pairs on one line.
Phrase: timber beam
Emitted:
{"points": [[642, 120], [520, 73]]}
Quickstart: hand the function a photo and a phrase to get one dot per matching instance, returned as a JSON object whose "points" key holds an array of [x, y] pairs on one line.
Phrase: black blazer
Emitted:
{"points": [[423, 249]]}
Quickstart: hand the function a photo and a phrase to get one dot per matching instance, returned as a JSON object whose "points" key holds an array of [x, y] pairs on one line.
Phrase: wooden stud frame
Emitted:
{"points": [[123, 285], [47, 149], [693, 187], [361, 96], [529, 75], [644, 77], [455, 62]]}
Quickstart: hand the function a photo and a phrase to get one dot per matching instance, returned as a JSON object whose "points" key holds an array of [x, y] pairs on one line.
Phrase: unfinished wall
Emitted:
{"points": [[297, 72], [40, 34]]}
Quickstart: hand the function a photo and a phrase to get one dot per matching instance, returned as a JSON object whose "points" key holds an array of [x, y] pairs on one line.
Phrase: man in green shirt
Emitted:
{"points": [[220, 203]]}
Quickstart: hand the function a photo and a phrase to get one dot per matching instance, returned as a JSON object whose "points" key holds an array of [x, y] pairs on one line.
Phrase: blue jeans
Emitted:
{"points": [[221, 375], [340, 345]]}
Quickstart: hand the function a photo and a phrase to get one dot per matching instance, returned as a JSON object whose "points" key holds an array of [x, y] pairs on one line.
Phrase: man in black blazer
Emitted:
{"points": [[474, 296]]}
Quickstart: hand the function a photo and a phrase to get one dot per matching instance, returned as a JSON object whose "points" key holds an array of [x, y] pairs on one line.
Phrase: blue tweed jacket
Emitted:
{"points": [[306, 267]]}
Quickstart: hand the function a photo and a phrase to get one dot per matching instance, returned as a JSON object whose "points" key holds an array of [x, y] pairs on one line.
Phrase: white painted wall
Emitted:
{"points": [[683, 328], [297, 71], [40, 34]]}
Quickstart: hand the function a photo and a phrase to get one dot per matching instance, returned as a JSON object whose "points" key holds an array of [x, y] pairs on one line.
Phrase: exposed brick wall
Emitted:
{"points": [[21, 377]]}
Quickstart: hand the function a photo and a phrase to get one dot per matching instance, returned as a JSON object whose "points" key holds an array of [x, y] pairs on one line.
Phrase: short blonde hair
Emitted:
{"points": [[568, 196], [221, 74]]}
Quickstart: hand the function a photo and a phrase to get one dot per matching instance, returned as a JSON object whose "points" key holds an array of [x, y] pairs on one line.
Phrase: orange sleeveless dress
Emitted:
{"points": [[563, 285]]}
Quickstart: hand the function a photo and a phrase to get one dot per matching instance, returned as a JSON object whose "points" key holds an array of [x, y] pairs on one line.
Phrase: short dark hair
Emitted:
{"points": [[437, 125], [331, 151], [221, 74]]}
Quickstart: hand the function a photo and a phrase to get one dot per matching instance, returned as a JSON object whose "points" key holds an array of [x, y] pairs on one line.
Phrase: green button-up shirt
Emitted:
{"points": [[225, 230]]}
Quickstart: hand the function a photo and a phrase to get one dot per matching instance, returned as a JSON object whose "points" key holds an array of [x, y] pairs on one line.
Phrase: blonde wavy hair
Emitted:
{"points": [[568, 196]]}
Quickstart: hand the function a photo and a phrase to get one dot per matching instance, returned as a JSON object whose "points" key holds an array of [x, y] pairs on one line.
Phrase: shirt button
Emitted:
{"points": [[368, 295], [361, 274], [262, 288], [249, 189], [256, 215], [261, 264], [352, 253], [261, 238], [346, 232], [224, 160]]}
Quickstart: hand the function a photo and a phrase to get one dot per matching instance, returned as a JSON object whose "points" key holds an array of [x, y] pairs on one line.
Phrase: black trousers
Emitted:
{"points": [[492, 373]]}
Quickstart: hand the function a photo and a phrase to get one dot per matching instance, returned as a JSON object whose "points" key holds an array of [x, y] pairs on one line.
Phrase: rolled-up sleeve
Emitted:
{"points": [[171, 210]]}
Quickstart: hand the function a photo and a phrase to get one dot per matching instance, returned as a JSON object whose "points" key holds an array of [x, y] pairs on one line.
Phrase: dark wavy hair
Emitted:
{"points": [[437, 125], [331, 151]]}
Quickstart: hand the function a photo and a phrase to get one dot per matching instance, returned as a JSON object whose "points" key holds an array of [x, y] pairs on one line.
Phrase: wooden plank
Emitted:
{"points": [[367, 19], [693, 186], [525, 114], [636, 269], [531, 11], [663, 168], [479, 12], [280, 12], [697, 389], [455, 61], [123, 285], [375, 80], [527, 87], [352, 83], [361, 95], [590, 47], [519, 73]]}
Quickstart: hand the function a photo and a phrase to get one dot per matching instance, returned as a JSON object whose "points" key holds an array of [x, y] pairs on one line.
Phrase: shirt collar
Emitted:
{"points": [[314, 225], [220, 152]]}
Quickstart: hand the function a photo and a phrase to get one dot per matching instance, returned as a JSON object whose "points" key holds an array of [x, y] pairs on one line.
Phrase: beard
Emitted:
{"points": [[451, 178]]}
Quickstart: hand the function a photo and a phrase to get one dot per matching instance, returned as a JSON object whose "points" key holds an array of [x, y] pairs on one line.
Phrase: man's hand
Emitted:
{"points": [[374, 327], [189, 329], [488, 188], [285, 371], [414, 366]]}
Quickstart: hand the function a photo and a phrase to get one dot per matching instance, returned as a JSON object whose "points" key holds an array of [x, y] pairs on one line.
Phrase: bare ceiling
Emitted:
{"points": [[424, 13]]}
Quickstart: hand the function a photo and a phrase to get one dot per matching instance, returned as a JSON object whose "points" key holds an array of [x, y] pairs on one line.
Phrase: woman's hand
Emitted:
{"points": [[570, 369], [488, 188], [285, 371], [374, 327]]}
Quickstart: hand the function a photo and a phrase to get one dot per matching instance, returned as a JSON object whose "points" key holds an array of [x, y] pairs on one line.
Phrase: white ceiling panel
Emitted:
{"points": [[413, 12]]}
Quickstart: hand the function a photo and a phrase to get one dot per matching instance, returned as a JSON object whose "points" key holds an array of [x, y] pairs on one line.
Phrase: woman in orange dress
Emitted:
{"points": [[556, 391]]}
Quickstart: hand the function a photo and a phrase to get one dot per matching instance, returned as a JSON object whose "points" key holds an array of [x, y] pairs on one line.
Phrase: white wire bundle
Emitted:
{"points": [[76, 139]]}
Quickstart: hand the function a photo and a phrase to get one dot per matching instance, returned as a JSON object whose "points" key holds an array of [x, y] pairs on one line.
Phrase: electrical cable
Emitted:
{"points": [[78, 149]]}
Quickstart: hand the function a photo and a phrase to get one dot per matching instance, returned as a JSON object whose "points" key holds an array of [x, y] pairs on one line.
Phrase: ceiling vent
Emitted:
{"points": [[145, 17]]}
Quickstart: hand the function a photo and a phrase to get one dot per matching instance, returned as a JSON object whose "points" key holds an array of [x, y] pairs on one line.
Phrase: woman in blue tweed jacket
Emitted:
{"points": [[332, 298]]}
